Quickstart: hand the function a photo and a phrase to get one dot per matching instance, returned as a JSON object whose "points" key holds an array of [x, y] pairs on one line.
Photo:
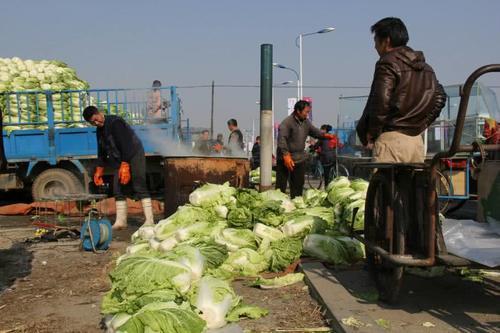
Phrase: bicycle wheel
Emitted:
{"points": [[314, 177], [338, 171], [443, 189]]}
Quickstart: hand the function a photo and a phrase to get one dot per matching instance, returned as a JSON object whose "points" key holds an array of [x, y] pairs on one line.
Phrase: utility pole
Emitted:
{"points": [[266, 115], [212, 112]]}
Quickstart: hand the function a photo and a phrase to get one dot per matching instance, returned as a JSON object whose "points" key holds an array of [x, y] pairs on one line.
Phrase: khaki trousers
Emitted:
{"points": [[395, 147]]}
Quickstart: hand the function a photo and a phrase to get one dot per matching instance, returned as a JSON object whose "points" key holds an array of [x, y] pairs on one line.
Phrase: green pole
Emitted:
{"points": [[266, 116]]}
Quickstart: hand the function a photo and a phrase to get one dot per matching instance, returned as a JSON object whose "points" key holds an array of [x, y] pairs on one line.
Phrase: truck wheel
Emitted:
{"points": [[55, 182]]}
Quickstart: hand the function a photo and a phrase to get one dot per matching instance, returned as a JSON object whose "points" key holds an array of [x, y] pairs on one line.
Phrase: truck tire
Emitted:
{"points": [[55, 182]]}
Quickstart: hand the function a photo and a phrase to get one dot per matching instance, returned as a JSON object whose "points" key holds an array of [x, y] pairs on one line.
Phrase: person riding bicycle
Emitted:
{"points": [[327, 151]]}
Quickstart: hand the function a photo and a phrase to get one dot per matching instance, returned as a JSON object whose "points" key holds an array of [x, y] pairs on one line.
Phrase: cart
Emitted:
{"points": [[402, 226]]}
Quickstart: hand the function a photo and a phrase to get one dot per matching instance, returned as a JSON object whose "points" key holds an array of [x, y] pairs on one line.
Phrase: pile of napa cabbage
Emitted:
{"points": [[180, 270]]}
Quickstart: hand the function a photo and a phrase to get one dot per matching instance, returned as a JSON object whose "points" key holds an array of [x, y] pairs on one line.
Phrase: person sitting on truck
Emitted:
{"points": [[119, 148], [405, 98], [156, 106]]}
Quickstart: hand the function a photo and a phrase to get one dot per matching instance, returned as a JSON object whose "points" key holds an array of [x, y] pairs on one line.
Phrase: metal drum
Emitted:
{"points": [[185, 174]]}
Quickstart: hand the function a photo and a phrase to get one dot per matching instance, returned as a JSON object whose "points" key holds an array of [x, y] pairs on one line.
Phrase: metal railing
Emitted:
{"points": [[42, 109]]}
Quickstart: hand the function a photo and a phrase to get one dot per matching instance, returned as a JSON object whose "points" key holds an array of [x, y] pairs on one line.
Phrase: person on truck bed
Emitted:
{"points": [[119, 148], [156, 105], [292, 135], [405, 98]]}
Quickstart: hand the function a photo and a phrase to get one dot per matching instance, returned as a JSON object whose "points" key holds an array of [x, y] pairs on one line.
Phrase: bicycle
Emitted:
{"points": [[315, 172]]}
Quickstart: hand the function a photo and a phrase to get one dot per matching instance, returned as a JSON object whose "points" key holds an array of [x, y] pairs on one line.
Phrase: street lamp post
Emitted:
{"points": [[298, 43], [275, 64]]}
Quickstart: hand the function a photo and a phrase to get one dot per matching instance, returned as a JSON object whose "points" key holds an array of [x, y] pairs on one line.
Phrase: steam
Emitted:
{"points": [[167, 146]]}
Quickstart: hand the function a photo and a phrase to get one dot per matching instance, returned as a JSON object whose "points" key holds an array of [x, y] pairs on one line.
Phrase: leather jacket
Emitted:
{"points": [[405, 96]]}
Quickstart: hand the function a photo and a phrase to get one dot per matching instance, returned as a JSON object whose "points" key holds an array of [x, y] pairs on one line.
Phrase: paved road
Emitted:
{"points": [[443, 304]]}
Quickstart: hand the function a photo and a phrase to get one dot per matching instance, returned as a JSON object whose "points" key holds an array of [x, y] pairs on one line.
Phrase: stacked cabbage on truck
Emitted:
{"points": [[49, 147]]}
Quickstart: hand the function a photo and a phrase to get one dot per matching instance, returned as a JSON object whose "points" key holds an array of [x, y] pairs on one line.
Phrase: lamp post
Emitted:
{"points": [[275, 64], [298, 43]]}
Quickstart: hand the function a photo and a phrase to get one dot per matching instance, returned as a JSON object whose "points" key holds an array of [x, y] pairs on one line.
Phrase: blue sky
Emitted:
{"points": [[116, 44]]}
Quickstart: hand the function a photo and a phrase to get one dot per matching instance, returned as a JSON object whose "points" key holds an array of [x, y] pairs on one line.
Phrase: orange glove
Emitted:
{"points": [[289, 164], [99, 172], [124, 173], [218, 147]]}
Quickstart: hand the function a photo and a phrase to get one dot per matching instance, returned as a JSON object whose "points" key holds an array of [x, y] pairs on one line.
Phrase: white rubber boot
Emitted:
{"points": [[147, 207], [121, 215]]}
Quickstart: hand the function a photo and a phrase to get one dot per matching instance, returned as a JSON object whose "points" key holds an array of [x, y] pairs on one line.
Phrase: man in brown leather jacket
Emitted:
{"points": [[405, 98]]}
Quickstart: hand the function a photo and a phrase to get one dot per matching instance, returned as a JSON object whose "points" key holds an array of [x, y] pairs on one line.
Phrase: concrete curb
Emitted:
{"points": [[336, 301]]}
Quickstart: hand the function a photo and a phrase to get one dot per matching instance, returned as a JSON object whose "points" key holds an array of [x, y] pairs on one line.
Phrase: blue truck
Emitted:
{"points": [[51, 151]]}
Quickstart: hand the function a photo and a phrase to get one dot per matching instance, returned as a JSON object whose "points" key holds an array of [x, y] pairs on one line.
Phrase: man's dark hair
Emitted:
{"points": [[326, 127], [393, 28], [156, 84], [89, 112], [301, 105], [204, 131], [257, 137], [232, 122]]}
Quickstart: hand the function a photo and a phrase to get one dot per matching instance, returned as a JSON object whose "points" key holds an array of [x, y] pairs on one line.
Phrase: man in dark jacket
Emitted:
{"points": [[256, 153], [405, 98], [119, 147], [203, 145], [235, 144], [292, 135]]}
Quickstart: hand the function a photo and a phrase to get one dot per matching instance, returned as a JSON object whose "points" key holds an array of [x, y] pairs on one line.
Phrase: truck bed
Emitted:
{"points": [[26, 145]]}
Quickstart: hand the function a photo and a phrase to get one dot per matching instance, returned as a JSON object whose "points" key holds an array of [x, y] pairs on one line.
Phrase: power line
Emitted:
{"points": [[276, 86], [282, 87]]}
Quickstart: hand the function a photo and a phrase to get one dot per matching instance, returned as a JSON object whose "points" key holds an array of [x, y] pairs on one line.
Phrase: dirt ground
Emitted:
{"points": [[289, 308], [56, 287]]}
